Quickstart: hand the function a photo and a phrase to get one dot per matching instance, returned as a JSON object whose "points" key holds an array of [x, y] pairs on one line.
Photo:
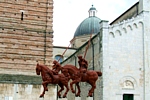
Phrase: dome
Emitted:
{"points": [[87, 26]]}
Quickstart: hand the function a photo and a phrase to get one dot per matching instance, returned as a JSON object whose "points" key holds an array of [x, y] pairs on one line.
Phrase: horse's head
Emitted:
{"points": [[38, 69]]}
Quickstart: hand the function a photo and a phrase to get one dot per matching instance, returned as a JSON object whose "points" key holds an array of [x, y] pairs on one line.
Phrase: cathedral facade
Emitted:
{"points": [[121, 51]]}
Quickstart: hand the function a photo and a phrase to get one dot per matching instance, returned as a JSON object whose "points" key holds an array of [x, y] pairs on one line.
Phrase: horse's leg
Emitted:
{"points": [[62, 88], [45, 83], [71, 84], [67, 89], [79, 91], [46, 89], [93, 84]]}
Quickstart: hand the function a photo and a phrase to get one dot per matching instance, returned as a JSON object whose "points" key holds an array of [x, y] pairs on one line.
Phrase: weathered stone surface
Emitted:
{"points": [[25, 92], [25, 33], [21, 79], [25, 39]]}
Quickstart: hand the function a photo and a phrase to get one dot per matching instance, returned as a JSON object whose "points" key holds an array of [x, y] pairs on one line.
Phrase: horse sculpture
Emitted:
{"points": [[49, 78], [90, 77]]}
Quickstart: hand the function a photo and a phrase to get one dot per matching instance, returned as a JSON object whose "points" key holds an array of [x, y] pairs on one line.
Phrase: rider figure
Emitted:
{"points": [[83, 64], [55, 67]]}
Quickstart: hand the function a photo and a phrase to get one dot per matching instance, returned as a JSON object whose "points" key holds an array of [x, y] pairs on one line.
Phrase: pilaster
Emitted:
{"points": [[104, 59], [144, 5]]}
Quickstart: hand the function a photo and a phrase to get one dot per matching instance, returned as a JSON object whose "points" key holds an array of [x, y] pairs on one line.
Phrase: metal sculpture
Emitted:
{"points": [[89, 76], [49, 77], [69, 72]]}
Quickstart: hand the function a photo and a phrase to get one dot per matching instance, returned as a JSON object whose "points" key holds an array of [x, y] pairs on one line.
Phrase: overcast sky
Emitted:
{"points": [[68, 14]]}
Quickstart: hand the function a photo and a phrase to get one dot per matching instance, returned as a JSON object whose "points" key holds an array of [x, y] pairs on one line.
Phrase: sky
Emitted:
{"points": [[68, 14]]}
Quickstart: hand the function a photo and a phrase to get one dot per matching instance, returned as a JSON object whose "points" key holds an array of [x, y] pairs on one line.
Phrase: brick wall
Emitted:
{"points": [[25, 34]]}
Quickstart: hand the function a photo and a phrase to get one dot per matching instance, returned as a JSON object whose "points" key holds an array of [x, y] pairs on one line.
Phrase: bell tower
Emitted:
{"points": [[26, 35]]}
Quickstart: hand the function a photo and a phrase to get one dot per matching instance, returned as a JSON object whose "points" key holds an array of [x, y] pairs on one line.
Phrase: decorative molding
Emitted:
{"points": [[128, 82], [126, 26]]}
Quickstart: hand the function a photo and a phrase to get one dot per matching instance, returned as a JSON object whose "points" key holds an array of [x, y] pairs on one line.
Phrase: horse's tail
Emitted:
{"points": [[99, 73]]}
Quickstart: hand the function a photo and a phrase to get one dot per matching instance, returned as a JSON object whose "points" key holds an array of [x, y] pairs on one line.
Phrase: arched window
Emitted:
{"points": [[93, 13], [59, 57]]}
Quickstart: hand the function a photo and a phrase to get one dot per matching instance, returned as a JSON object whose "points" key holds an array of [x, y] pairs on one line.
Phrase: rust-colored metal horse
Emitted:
{"points": [[49, 78], [90, 77]]}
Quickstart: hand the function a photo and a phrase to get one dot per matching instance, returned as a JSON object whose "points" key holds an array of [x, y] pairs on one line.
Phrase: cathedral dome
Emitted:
{"points": [[89, 25]]}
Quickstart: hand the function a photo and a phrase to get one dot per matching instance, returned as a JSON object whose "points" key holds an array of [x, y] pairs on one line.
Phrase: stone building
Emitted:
{"points": [[121, 51], [26, 36]]}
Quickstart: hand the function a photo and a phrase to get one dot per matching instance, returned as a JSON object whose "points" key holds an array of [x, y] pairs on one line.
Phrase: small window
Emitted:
{"points": [[59, 57], [128, 97], [21, 15]]}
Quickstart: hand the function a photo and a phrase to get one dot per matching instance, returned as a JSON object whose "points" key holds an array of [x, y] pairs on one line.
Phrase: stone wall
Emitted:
{"points": [[121, 52], [123, 59], [25, 34], [26, 92], [26, 37], [78, 41]]}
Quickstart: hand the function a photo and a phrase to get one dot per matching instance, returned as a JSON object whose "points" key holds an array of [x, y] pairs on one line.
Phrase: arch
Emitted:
{"points": [[111, 34], [124, 30], [140, 24], [118, 32], [135, 25], [129, 27], [128, 82]]}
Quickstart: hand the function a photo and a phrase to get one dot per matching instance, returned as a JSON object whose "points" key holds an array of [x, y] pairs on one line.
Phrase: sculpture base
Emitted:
{"points": [[77, 98], [41, 98], [89, 98], [62, 98]]}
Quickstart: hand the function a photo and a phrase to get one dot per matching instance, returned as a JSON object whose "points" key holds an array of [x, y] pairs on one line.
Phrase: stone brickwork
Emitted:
{"points": [[25, 34], [26, 37], [26, 92]]}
